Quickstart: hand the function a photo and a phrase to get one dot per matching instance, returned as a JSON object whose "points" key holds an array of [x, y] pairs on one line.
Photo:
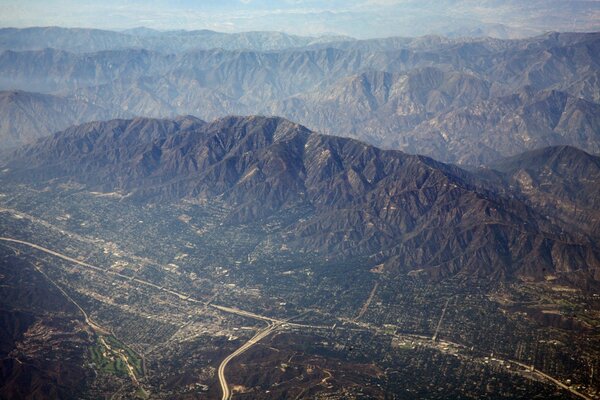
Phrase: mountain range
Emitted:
{"points": [[29, 116], [409, 213], [466, 101], [190, 214], [80, 40]]}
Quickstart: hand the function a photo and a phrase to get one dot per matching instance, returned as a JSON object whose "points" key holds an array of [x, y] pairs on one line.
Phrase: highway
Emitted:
{"points": [[88, 320], [86, 317], [180, 295], [273, 323], [261, 334], [243, 313], [553, 380]]}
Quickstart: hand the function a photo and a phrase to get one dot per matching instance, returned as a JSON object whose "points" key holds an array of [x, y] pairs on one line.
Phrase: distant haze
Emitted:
{"points": [[356, 18]]}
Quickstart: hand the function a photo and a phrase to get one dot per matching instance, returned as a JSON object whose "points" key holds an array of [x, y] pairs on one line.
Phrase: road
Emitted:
{"points": [[89, 322], [86, 317], [261, 334], [365, 306], [273, 322], [553, 380], [182, 296], [439, 325], [243, 313]]}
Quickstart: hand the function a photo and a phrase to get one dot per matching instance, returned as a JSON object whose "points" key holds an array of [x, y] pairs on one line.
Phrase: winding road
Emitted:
{"points": [[261, 334]]}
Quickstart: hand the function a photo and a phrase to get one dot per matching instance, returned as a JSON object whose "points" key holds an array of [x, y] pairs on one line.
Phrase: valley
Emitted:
{"points": [[190, 211], [161, 309]]}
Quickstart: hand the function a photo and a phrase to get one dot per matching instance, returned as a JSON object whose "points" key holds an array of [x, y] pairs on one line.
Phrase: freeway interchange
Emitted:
{"points": [[273, 323]]}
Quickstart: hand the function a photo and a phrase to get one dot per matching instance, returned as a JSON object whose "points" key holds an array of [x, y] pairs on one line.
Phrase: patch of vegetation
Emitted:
{"points": [[140, 393], [107, 354], [132, 357]]}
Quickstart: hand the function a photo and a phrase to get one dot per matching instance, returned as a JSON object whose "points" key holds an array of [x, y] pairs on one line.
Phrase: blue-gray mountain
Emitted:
{"points": [[89, 40], [466, 101], [28, 116]]}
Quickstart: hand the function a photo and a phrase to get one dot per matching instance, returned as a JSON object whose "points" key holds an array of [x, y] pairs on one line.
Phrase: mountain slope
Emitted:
{"points": [[51, 70], [545, 89], [25, 116], [505, 126], [379, 106], [563, 181], [44, 338], [410, 213], [91, 40], [557, 62]]}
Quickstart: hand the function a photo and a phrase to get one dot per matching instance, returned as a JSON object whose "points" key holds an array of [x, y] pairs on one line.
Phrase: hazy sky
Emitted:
{"points": [[358, 18]]}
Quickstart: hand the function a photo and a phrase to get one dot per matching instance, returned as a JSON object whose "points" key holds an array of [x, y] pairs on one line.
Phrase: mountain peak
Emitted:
{"points": [[259, 166]]}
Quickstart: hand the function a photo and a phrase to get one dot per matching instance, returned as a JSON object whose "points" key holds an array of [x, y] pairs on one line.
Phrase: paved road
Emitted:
{"points": [[261, 334], [273, 323], [365, 306], [87, 318], [180, 295], [553, 380], [245, 313], [439, 324]]}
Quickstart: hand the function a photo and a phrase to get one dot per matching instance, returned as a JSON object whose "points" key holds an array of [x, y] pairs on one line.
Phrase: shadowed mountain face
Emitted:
{"points": [[43, 336], [466, 101], [410, 213], [562, 180]]}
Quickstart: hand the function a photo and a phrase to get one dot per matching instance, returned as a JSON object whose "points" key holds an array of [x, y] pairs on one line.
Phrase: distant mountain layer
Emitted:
{"points": [[90, 40], [377, 106], [507, 125], [25, 116], [409, 213], [467, 101]]}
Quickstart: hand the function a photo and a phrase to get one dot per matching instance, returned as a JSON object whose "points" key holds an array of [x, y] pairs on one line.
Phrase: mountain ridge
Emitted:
{"points": [[28, 116], [464, 101], [86, 39], [407, 212]]}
